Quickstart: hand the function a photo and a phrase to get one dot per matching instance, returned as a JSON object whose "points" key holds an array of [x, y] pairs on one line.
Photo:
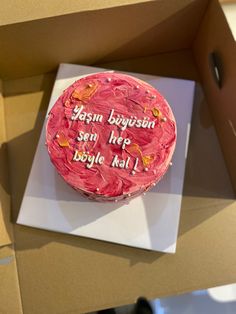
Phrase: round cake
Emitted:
{"points": [[111, 136]]}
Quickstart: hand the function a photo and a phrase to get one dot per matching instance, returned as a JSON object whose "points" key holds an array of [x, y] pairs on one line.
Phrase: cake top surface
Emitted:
{"points": [[111, 135]]}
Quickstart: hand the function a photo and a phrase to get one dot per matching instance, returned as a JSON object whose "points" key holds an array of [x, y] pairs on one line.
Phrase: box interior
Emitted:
{"points": [[141, 29], [165, 38]]}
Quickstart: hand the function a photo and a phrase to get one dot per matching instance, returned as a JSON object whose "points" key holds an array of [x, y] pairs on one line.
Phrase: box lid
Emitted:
{"points": [[140, 29], [21, 11]]}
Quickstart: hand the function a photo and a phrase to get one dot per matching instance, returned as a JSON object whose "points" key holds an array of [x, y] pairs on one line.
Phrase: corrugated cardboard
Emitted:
{"points": [[21, 11], [5, 224], [221, 100], [10, 300], [66, 274], [97, 36]]}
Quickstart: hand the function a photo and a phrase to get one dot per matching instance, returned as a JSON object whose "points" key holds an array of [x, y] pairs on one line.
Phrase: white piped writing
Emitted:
{"points": [[120, 163], [123, 123], [114, 138], [118, 140], [87, 137], [86, 158], [87, 117]]}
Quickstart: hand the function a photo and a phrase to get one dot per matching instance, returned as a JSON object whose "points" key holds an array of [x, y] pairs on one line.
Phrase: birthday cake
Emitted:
{"points": [[111, 136]]}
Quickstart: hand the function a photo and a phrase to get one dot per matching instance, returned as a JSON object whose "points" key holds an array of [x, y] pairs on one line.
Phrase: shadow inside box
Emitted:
{"points": [[66, 196], [165, 40], [4, 195], [29, 238], [21, 149], [207, 186], [206, 174]]}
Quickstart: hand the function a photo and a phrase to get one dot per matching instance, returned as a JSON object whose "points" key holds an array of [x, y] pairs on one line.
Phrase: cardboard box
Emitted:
{"points": [[66, 274]]}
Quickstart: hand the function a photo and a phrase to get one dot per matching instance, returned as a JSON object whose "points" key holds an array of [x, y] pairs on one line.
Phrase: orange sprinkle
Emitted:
{"points": [[86, 93], [147, 160], [156, 112], [135, 147], [62, 140]]}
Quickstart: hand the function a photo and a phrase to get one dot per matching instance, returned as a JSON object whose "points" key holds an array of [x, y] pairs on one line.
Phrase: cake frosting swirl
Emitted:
{"points": [[111, 136]]}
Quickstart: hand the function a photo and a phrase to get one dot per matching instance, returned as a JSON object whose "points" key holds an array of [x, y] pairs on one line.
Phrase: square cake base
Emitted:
{"points": [[149, 221]]}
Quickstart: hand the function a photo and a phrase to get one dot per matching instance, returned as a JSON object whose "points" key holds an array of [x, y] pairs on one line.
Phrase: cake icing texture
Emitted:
{"points": [[111, 136]]}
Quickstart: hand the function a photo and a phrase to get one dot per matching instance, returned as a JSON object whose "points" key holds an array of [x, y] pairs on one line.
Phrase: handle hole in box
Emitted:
{"points": [[216, 67]]}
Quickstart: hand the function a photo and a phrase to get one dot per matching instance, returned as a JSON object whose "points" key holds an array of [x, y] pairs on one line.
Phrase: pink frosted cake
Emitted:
{"points": [[111, 136]]}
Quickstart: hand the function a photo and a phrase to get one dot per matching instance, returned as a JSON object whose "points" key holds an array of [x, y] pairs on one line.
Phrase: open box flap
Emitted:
{"points": [[5, 225], [18, 12], [215, 50], [123, 33]]}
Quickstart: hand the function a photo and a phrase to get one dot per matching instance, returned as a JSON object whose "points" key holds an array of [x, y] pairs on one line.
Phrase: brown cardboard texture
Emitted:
{"points": [[117, 33], [65, 274], [10, 300], [4, 186]]}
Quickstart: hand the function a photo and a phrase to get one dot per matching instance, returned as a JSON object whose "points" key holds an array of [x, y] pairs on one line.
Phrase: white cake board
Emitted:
{"points": [[150, 221]]}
